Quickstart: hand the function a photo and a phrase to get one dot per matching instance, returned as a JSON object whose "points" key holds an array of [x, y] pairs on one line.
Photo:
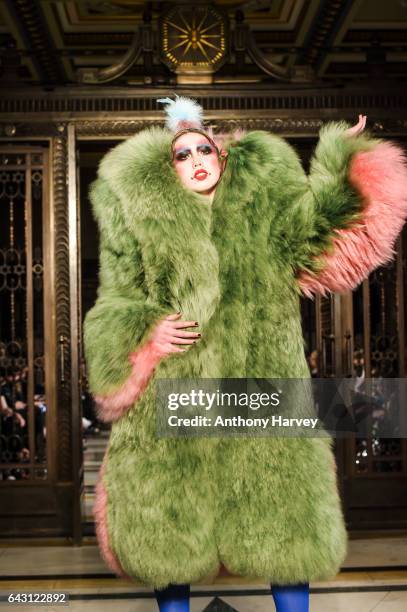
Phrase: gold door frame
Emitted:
{"points": [[76, 332]]}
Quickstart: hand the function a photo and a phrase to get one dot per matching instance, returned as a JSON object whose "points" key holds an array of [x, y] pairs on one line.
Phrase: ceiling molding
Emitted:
{"points": [[116, 129], [97, 103], [29, 19], [327, 22], [304, 38]]}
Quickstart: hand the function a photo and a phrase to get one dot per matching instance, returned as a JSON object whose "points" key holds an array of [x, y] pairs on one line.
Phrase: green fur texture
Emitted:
{"points": [[177, 508]]}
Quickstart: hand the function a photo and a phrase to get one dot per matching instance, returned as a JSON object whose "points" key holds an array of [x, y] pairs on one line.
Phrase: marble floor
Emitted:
{"points": [[373, 578]]}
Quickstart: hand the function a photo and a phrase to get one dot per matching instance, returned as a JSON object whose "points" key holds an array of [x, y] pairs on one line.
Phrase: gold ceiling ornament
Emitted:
{"points": [[193, 42]]}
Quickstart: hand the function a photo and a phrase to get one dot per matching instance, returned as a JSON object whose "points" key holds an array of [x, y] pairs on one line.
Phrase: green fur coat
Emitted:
{"points": [[172, 510]]}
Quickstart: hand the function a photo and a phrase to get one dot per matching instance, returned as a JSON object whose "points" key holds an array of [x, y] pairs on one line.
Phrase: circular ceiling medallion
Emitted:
{"points": [[193, 36]]}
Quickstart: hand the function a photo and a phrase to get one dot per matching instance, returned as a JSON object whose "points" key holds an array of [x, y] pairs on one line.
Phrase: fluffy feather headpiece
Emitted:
{"points": [[182, 113]]}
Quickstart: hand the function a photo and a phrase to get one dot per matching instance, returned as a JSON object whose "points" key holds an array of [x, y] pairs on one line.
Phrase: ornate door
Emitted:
{"points": [[40, 460], [361, 334], [375, 468]]}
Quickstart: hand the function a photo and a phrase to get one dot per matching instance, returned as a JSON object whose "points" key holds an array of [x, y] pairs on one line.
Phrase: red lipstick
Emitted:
{"points": [[200, 174]]}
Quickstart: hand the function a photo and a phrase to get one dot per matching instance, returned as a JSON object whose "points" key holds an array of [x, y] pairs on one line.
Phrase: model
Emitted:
{"points": [[205, 250]]}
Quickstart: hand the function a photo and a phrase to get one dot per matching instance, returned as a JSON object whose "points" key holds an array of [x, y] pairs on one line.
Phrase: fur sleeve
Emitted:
{"points": [[348, 219], [120, 357]]}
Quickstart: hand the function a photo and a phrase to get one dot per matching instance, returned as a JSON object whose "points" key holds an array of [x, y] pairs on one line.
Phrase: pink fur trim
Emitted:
{"points": [[222, 138], [112, 407], [100, 514], [380, 176]]}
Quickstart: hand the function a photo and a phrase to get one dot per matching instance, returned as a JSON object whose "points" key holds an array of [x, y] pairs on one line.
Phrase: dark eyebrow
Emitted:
{"points": [[198, 144]]}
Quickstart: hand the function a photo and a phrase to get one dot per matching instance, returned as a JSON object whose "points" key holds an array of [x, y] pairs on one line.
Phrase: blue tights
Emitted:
{"points": [[292, 598], [175, 598]]}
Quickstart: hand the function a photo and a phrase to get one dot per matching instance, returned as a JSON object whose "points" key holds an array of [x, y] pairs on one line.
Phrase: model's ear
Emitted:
{"points": [[223, 159]]}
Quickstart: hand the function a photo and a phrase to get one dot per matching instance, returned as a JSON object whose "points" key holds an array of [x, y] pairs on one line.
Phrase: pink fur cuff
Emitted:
{"points": [[144, 361], [380, 177]]}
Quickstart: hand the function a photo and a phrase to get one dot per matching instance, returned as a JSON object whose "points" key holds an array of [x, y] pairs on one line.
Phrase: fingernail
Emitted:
{"points": [[199, 335], [179, 312], [196, 323]]}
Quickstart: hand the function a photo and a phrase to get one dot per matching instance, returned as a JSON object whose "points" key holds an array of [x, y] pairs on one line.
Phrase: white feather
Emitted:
{"points": [[182, 110]]}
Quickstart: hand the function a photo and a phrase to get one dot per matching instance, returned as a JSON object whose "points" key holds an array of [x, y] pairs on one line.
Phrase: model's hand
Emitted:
{"points": [[358, 128], [169, 333]]}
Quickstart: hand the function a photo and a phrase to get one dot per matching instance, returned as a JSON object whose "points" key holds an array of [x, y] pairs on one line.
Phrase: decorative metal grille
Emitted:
{"points": [[105, 101], [376, 356], [23, 408], [327, 336]]}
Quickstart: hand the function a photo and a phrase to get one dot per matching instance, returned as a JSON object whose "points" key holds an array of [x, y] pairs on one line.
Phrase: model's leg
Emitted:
{"points": [[291, 598], [175, 598]]}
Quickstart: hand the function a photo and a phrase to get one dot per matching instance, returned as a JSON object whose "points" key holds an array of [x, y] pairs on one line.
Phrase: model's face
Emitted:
{"points": [[196, 162]]}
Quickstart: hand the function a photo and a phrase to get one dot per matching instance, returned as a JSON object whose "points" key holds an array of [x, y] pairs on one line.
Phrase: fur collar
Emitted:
{"points": [[140, 172]]}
